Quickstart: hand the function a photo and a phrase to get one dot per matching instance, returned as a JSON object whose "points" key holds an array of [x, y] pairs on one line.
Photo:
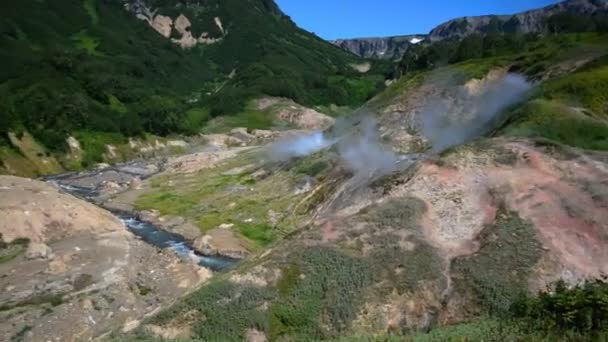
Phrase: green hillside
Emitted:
{"points": [[73, 66]]}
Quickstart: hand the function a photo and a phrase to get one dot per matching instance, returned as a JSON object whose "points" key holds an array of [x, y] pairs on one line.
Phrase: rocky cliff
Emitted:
{"points": [[384, 47], [533, 21]]}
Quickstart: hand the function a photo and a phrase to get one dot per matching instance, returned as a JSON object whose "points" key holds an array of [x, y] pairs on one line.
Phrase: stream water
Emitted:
{"points": [[147, 231], [163, 239]]}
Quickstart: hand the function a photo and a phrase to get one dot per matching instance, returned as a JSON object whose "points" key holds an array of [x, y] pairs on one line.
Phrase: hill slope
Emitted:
{"points": [[133, 67]]}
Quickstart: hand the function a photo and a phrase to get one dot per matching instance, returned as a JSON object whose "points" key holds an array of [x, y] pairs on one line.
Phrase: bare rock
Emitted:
{"points": [[39, 212], [221, 241], [38, 250], [254, 335], [163, 25], [242, 134], [135, 184]]}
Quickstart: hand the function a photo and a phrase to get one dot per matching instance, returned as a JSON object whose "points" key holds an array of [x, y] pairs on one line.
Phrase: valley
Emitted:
{"points": [[208, 171]]}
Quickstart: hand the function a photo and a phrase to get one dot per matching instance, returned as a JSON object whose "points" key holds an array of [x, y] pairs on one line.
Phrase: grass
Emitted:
{"points": [[94, 145], [218, 196], [168, 203], [16, 164], [252, 119], [402, 86], [316, 166], [224, 311], [555, 121], [84, 41], [51, 299], [37, 155], [421, 263], [116, 105], [496, 275], [9, 257], [478, 68], [588, 89], [261, 234], [322, 302]]}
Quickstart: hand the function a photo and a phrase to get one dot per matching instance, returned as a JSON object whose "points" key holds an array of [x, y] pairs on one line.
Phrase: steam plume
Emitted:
{"points": [[453, 120]]}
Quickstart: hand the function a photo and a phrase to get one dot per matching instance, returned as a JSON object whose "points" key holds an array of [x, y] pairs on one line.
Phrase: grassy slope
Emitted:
{"points": [[75, 65]]}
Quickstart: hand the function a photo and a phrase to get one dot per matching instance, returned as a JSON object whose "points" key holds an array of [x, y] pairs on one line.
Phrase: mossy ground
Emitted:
{"points": [[230, 194]]}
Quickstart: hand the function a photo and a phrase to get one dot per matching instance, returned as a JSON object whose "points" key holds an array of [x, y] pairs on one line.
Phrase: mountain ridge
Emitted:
{"points": [[530, 21], [390, 47]]}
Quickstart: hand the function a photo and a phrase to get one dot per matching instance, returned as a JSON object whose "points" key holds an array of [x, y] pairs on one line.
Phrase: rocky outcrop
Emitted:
{"points": [[38, 212], [162, 24], [166, 26], [383, 48], [526, 22], [83, 273], [221, 241]]}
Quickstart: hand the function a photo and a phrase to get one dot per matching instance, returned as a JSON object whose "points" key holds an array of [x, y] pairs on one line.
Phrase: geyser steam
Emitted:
{"points": [[457, 117], [357, 143], [453, 120], [299, 146]]}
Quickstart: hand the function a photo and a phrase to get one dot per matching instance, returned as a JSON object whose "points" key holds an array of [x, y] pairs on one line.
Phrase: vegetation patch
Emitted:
{"points": [[400, 263], [261, 234], [496, 276], [225, 311], [94, 145], [587, 89], [87, 43], [260, 210], [51, 299], [566, 314], [558, 122], [320, 294], [90, 7]]}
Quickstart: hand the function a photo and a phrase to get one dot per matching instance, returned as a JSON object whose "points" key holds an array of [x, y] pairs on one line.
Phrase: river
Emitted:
{"points": [[86, 185]]}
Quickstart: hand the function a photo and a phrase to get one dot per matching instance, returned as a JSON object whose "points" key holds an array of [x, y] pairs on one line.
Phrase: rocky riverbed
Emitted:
{"points": [[76, 271]]}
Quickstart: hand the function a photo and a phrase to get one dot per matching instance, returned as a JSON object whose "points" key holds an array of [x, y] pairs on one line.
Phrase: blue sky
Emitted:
{"points": [[331, 19]]}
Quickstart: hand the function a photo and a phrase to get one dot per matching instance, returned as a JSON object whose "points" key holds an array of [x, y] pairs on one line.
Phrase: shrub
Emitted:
{"points": [[325, 291]]}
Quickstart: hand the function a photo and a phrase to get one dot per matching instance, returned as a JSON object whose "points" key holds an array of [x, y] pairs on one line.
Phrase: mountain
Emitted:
{"points": [[567, 15], [112, 69], [382, 48], [574, 12]]}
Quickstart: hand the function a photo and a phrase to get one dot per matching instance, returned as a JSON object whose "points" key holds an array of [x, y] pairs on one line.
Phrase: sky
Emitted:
{"points": [[332, 19]]}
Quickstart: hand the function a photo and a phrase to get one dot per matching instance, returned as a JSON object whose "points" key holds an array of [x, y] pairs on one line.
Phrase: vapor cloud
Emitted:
{"points": [[299, 146], [356, 140], [447, 121], [457, 118]]}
